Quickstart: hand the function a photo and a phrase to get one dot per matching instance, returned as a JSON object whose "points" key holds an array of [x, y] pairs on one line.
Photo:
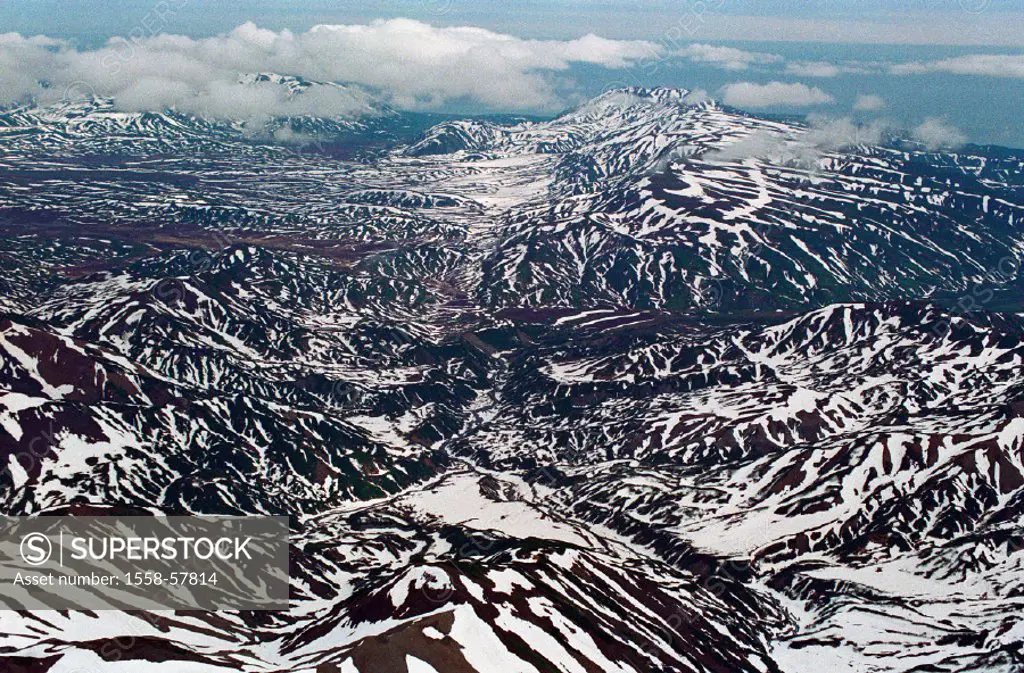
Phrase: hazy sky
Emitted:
{"points": [[977, 22]]}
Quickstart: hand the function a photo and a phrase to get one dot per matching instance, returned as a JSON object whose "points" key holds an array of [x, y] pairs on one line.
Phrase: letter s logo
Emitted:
{"points": [[36, 549]]}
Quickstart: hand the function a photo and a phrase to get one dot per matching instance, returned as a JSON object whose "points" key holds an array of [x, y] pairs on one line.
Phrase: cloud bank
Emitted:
{"points": [[773, 94], [412, 64], [935, 134], [814, 69], [869, 103], [990, 65], [804, 149], [728, 58]]}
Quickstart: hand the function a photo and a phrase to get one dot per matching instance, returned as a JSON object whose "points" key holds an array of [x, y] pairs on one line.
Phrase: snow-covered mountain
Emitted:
{"points": [[654, 385], [87, 124]]}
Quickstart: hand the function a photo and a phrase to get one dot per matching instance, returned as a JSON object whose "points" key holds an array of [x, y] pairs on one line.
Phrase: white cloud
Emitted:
{"points": [[729, 58], [992, 65], [748, 94], [804, 148], [696, 97], [893, 26], [826, 69], [766, 146], [814, 69], [836, 133], [24, 61], [935, 134], [411, 63], [869, 103]]}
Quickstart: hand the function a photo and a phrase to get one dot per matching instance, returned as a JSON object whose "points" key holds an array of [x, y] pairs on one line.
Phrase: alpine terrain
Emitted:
{"points": [[654, 386]]}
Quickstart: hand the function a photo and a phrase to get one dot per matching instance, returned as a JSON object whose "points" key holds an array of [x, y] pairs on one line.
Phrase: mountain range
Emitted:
{"points": [[654, 385]]}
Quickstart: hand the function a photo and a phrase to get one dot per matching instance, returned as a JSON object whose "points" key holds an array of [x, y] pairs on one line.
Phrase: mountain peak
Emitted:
{"points": [[638, 95]]}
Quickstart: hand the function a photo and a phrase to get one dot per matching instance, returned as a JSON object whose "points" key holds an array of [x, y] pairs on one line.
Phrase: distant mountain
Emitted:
{"points": [[92, 124]]}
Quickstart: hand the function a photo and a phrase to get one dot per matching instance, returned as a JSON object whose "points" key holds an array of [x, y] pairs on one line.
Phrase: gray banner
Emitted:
{"points": [[144, 563]]}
